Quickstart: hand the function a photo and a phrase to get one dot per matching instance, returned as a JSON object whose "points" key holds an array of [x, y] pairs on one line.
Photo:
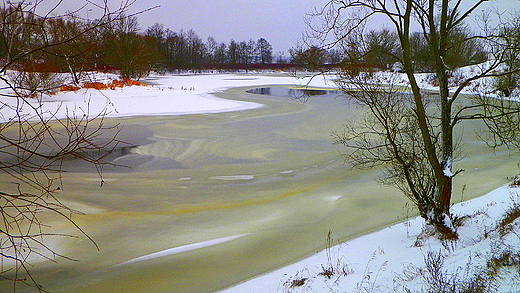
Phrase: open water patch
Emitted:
{"points": [[296, 93]]}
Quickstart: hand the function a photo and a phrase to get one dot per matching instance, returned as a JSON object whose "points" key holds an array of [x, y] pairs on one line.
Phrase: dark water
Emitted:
{"points": [[296, 93]]}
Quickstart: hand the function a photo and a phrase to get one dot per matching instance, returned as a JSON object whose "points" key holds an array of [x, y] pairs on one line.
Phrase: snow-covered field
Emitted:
{"points": [[179, 94], [384, 261], [166, 95]]}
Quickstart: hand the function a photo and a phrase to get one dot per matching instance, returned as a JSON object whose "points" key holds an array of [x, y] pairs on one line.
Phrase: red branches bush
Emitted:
{"points": [[123, 82], [95, 85], [68, 88], [101, 86]]}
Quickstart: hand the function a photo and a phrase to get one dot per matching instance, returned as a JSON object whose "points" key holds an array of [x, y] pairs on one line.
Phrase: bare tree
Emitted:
{"points": [[413, 134], [127, 50], [313, 57], [382, 48], [464, 50], [376, 48], [506, 84], [33, 142]]}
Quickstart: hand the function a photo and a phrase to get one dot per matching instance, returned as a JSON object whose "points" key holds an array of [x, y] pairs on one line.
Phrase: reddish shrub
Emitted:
{"points": [[68, 88], [131, 82], [112, 85], [95, 85], [123, 82]]}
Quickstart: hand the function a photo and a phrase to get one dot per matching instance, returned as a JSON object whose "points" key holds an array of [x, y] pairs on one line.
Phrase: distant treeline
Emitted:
{"points": [[186, 50], [122, 46]]}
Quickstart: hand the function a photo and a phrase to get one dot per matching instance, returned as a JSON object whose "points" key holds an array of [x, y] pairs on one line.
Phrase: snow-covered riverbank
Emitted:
{"points": [[393, 258], [165, 95], [387, 260]]}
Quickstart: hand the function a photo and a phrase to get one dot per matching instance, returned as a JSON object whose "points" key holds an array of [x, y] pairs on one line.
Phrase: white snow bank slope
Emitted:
{"points": [[168, 95], [394, 258]]}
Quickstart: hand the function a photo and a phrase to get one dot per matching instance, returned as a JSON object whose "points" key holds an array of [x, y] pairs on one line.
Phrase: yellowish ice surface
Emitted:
{"points": [[226, 197]]}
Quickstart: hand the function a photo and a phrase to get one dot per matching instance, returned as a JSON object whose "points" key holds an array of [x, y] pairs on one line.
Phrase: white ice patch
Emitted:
{"points": [[234, 177], [333, 198], [183, 248], [99, 179]]}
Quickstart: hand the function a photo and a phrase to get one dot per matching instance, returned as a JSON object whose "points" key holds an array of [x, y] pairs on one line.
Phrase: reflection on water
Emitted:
{"points": [[295, 93]]}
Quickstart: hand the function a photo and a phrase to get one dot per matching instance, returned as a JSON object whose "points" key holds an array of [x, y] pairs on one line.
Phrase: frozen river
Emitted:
{"points": [[211, 200]]}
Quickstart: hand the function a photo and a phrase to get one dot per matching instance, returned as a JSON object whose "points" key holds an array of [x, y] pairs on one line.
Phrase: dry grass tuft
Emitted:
{"points": [[327, 272], [298, 282], [505, 224], [515, 182], [123, 82], [101, 86]]}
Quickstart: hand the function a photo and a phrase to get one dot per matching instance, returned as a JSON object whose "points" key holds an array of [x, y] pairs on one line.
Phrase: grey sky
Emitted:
{"points": [[280, 22]]}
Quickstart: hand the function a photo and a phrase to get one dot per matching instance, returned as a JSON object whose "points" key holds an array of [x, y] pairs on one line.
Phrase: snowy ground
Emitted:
{"points": [[384, 261], [393, 259], [179, 94], [166, 95]]}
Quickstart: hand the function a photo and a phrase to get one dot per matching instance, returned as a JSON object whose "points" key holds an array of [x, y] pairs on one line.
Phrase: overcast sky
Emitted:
{"points": [[280, 22]]}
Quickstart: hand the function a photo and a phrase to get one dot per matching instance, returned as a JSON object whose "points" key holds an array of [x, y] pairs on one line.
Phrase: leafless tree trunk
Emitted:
{"points": [[33, 143], [431, 155]]}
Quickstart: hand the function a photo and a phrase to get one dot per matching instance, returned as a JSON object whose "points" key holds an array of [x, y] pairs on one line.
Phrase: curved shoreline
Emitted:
{"points": [[297, 222], [170, 95]]}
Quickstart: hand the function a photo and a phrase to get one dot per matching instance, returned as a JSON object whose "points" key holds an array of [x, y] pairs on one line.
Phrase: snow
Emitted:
{"points": [[447, 172], [447, 168], [181, 94], [168, 95], [391, 259], [426, 81], [184, 248]]}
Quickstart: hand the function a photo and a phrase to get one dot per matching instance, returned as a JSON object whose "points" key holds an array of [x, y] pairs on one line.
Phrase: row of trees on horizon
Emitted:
{"points": [[120, 44], [187, 50], [123, 46]]}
